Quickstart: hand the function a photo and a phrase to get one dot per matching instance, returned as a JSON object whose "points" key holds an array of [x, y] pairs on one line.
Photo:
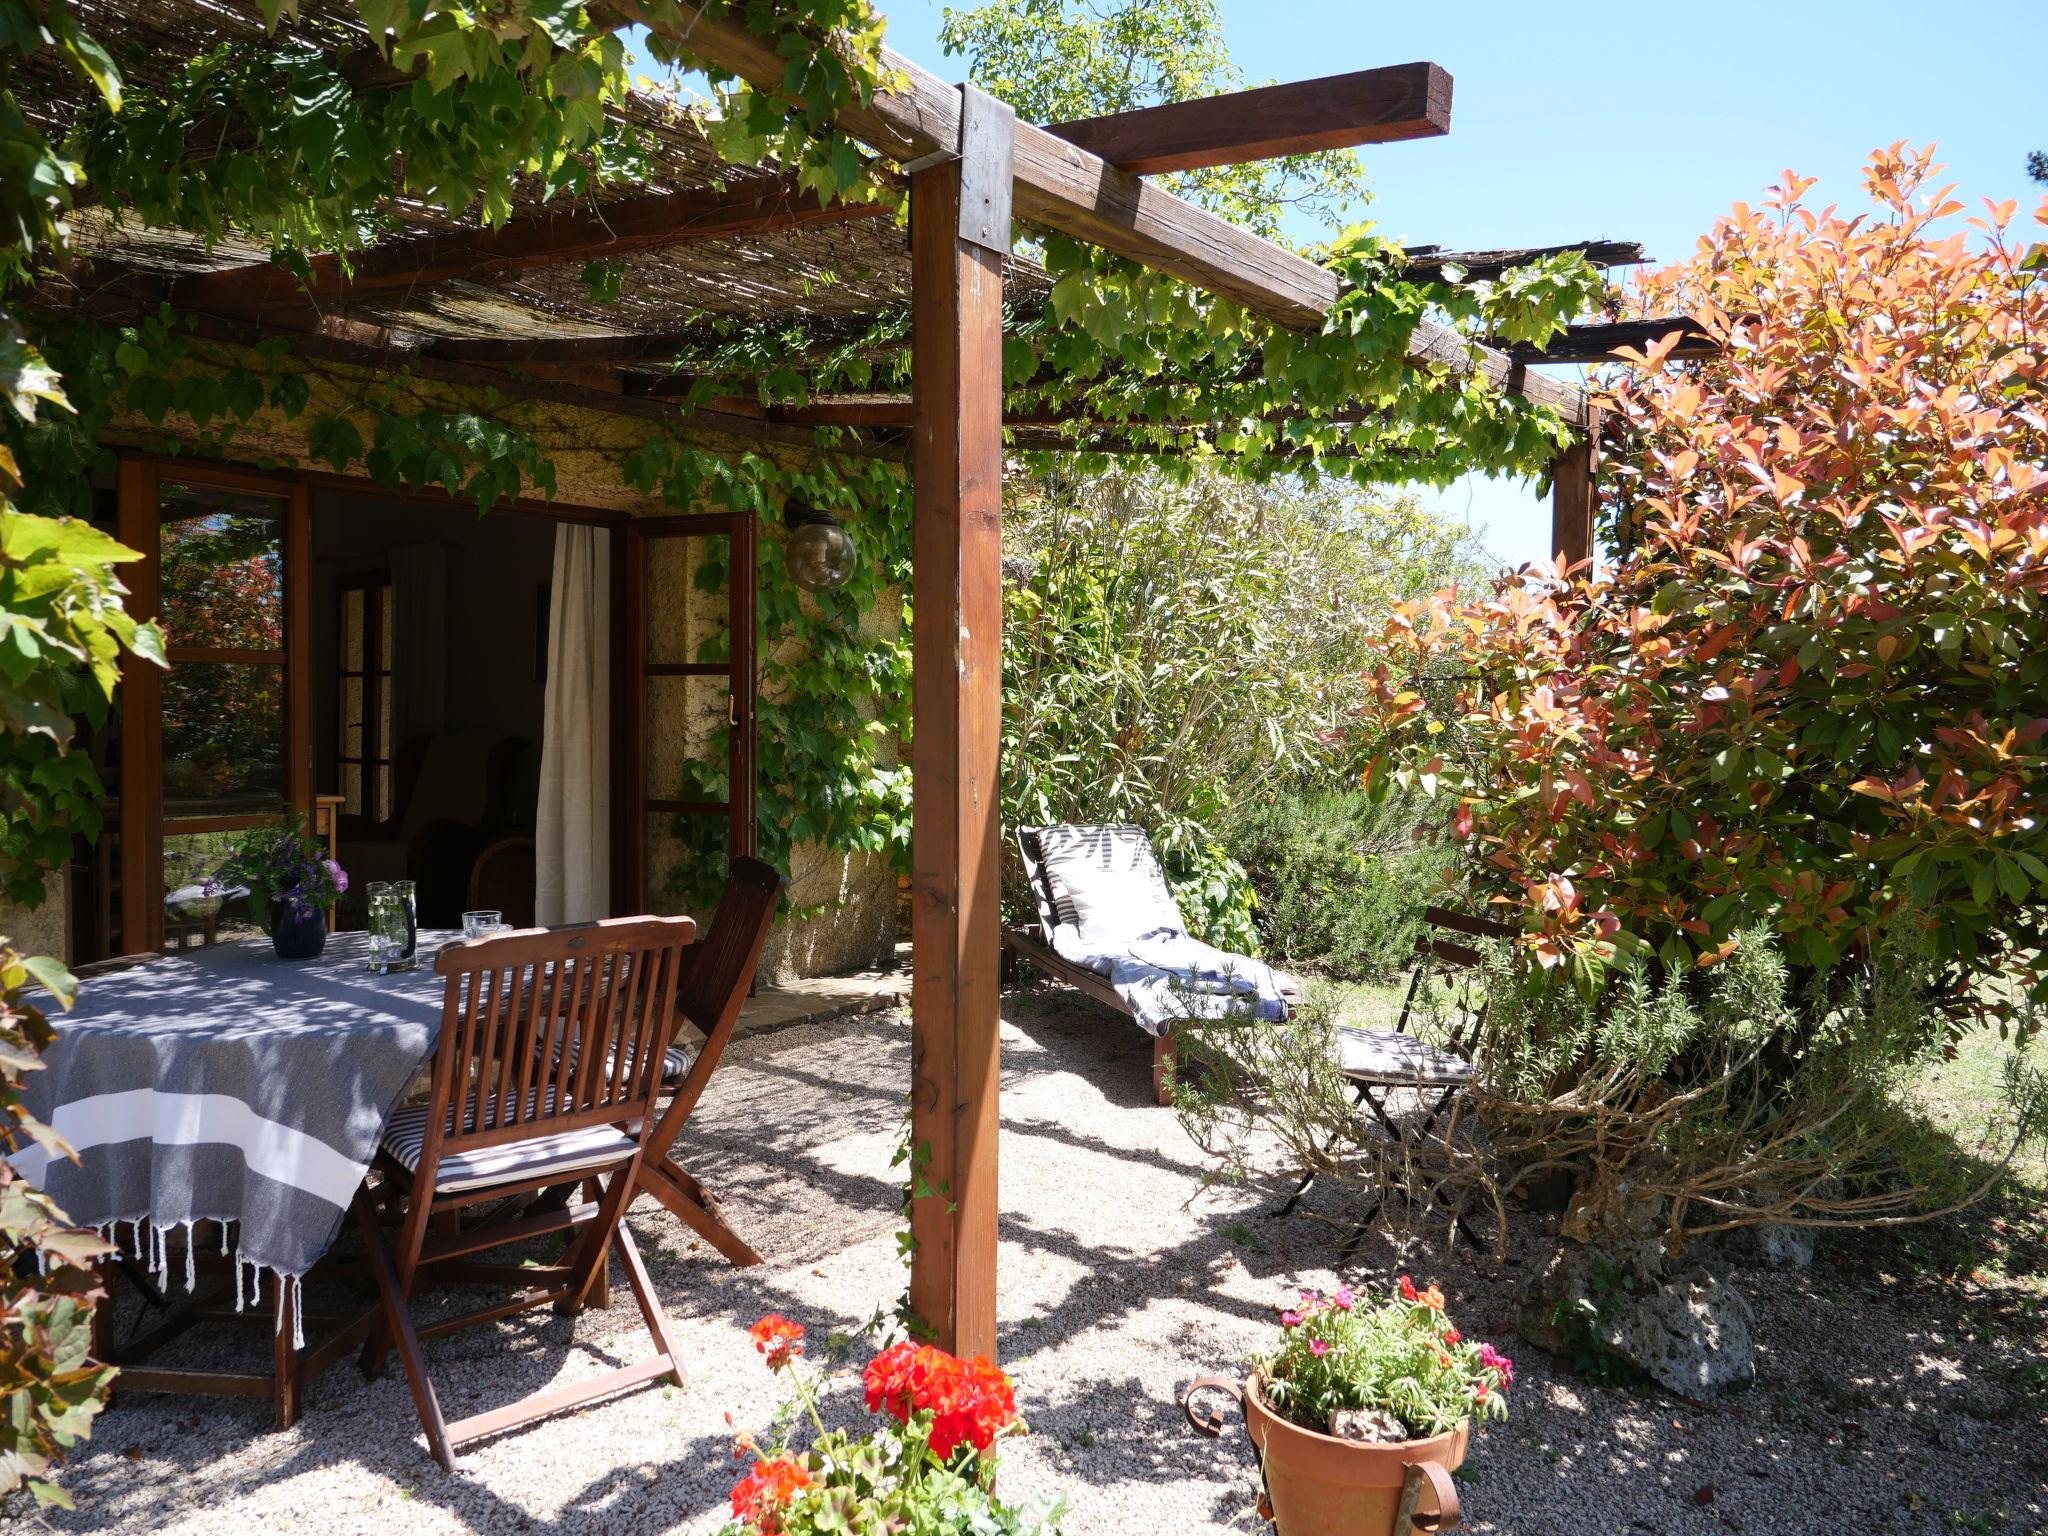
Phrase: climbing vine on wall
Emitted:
{"points": [[834, 666]]}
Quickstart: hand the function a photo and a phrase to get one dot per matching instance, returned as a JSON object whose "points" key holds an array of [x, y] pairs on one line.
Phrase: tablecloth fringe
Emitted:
{"points": [[148, 1245]]}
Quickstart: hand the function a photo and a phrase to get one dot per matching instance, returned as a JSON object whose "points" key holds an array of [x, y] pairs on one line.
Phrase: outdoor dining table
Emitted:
{"points": [[226, 1086]]}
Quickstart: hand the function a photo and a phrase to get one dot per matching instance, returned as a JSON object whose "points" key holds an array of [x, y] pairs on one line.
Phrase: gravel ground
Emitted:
{"points": [[1888, 1402]]}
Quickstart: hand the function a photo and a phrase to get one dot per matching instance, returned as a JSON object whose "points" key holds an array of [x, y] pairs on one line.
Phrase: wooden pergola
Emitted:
{"points": [[501, 307]]}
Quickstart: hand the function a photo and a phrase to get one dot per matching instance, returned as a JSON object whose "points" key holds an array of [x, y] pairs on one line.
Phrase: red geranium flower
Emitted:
{"points": [[758, 1497], [779, 1339], [970, 1401], [1408, 1291]]}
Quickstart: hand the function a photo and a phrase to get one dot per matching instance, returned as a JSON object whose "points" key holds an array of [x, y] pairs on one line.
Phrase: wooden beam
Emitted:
{"points": [[885, 411], [1372, 106], [956, 673], [582, 233], [1485, 266], [574, 350], [1058, 184], [519, 387], [1599, 343], [1573, 496], [1436, 346]]}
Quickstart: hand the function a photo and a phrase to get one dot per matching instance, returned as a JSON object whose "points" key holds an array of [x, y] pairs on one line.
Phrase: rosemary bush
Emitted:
{"points": [[1341, 880]]}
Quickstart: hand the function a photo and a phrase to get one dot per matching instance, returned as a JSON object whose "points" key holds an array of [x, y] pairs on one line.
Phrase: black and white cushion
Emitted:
{"points": [[566, 1152], [1384, 1057], [1105, 882], [675, 1063]]}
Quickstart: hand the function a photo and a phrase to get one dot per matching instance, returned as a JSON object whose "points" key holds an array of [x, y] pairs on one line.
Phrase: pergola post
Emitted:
{"points": [[1572, 498], [959, 234]]}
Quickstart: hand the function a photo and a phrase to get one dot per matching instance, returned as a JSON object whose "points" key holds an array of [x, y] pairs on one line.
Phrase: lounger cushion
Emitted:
{"points": [[1383, 1056], [1107, 884], [405, 1138]]}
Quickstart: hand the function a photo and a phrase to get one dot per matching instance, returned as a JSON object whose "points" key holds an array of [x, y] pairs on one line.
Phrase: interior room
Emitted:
{"points": [[429, 668]]}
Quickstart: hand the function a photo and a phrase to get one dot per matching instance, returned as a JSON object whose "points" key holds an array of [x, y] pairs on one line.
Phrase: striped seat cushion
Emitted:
{"points": [[1385, 1056], [509, 1162], [675, 1063]]}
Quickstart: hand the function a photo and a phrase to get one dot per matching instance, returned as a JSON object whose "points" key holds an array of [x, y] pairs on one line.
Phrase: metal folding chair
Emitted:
{"points": [[1377, 1062]]}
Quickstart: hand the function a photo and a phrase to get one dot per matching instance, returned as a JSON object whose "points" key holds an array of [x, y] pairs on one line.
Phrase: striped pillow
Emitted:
{"points": [[1106, 882]]}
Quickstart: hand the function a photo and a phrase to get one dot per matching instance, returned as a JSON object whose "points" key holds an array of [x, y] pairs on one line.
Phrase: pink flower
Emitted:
{"points": [[1290, 1319], [1310, 1297], [1494, 1360], [1343, 1298], [338, 875], [1318, 1347]]}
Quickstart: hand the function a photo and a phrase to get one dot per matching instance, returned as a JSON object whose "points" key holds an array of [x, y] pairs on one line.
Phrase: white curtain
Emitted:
{"points": [[573, 827]]}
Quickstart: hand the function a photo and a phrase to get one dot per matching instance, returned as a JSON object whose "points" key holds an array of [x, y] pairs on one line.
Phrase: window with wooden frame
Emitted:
{"points": [[365, 634]]}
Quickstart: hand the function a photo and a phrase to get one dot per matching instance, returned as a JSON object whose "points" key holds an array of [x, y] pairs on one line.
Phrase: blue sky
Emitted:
{"points": [[1643, 122]]}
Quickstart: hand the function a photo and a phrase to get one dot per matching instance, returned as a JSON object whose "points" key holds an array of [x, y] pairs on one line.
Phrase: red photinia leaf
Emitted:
{"points": [[1806, 693]]}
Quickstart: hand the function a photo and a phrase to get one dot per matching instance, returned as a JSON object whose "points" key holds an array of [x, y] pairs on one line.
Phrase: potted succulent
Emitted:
{"points": [[1363, 1412], [289, 877], [929, 1468]]}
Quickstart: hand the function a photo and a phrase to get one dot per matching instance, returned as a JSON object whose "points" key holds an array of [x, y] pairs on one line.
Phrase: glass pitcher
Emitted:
{"points": [[394, 926]]}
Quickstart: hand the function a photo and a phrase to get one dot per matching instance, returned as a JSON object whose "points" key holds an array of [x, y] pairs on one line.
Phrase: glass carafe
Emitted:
{"points": [[394, 928]]}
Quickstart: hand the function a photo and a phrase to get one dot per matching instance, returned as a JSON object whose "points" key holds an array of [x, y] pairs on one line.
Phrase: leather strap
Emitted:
{"points": [[1210, 1424]]}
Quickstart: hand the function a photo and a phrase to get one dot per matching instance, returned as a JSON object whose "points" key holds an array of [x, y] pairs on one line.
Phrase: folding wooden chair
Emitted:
{"points": [[549, 1059], [712, 993]]}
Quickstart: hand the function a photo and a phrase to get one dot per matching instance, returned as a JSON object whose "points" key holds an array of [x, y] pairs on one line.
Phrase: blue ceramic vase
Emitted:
{"points": [[297, 938]]}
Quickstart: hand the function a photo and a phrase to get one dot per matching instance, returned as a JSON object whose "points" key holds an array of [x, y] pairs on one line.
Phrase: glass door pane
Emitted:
{"points": [[223, 739], [224, 722]]}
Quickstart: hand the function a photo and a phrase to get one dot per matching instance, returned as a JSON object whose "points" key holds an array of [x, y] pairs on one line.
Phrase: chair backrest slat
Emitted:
{"points": [[710, 986], [721, 968], [548, 1030]]}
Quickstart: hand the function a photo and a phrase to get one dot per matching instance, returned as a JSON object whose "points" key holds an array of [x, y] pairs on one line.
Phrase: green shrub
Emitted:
{"points": [[1340, 882], [1169, 651], [1737, 1095]]}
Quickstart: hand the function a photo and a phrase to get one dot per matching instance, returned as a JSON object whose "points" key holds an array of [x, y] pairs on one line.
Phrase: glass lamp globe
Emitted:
{"points": [[820, 553]]}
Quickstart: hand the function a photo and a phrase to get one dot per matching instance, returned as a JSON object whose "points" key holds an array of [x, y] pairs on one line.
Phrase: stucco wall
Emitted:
{"points": [[857, 924]]}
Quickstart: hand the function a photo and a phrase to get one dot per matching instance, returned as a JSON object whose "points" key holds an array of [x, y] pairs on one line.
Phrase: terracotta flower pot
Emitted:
{"points": [[1318, 1485]]}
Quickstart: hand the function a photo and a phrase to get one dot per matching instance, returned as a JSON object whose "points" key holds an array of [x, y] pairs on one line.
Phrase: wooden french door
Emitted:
{"points": [[223, 740], [690, 660]]}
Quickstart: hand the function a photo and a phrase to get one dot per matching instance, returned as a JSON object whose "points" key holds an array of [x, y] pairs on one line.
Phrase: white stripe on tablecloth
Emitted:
{"points": [[277, 1152]]}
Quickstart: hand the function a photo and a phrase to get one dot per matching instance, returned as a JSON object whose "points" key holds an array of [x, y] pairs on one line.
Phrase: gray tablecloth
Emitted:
{"points": [[224, 1084]]}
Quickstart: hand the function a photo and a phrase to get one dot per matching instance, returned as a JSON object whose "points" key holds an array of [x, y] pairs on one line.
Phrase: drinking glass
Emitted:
{"points": [[482, 924]]}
